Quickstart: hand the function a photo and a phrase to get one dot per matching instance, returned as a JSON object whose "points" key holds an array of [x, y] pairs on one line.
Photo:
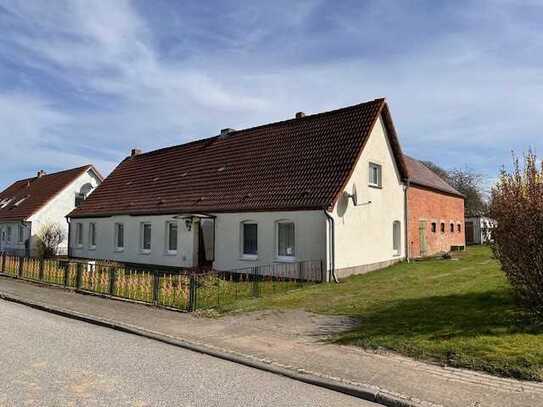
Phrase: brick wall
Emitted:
{"points": [[433, 207]]}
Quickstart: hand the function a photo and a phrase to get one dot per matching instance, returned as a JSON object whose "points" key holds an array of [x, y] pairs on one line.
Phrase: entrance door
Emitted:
{"points": [[469, 233], [422, 238]]}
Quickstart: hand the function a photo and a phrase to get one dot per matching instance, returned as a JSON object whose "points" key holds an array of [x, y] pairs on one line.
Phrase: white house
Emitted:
{"points": [[327, 188], [29, 204], [479, 229]]}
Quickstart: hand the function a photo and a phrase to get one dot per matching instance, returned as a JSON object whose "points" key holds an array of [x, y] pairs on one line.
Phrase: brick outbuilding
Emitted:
{"points": [[435, 212]]}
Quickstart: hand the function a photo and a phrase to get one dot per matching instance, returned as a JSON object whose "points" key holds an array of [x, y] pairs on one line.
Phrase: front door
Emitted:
{"points": [[422, 238], [469, 233]]}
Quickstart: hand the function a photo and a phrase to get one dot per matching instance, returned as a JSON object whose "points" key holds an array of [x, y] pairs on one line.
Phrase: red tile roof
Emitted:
{"points": [[301, 163], [421, 175], [31, 194]]}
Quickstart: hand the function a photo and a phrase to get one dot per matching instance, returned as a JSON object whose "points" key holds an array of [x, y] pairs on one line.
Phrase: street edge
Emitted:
{"points": [[361, 392]]}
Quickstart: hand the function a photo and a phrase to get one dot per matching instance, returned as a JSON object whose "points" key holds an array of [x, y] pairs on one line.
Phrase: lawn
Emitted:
{"points": [[456, 312]]}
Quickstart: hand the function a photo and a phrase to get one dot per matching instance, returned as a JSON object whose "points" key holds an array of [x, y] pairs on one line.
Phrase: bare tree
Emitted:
{"points": [[50, 237]]}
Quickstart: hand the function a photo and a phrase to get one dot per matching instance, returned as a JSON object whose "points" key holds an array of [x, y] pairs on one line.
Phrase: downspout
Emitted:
{"points": [[69, 237], [406, 223], [332, 245]]}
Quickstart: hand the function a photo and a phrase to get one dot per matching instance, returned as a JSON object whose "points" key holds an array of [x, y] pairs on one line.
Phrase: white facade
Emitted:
{"points": [[364, 238], [53, 212], [479, 229], [363, 235]]}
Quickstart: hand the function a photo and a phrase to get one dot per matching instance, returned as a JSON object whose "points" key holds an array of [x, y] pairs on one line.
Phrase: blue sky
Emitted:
{"points": [[85, 81]]}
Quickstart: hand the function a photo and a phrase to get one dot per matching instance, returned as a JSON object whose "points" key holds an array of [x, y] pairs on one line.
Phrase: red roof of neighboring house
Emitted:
{"points": [[29, 195], [302, 163], [421, 175]]}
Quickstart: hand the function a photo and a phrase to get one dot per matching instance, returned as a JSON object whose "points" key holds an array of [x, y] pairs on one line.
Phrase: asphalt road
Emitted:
{"points": [[54, 361]]}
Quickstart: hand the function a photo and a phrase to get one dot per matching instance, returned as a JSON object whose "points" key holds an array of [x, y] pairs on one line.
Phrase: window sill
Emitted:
{"points": [[171, 253], [248, 257], [119, 249], [375, 186], [92, 248], [79, 246], [144, 251], [285, 259]]}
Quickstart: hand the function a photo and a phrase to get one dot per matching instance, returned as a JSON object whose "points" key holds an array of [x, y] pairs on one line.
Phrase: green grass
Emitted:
{"points": [[456, 312]]}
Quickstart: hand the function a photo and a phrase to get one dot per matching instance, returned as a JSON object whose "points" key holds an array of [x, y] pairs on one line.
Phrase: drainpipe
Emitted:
{"points": [[332, 245], [69, 239], [406, 223]]}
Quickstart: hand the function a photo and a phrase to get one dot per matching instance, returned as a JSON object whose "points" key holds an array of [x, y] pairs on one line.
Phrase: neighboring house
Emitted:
{"points": [[29, 204], [479, 229], [435, 212], [327, 187]]}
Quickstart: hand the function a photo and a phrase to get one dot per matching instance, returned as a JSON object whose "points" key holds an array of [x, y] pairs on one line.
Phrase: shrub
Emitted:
{"points": [[50, 237], [517, 206]]}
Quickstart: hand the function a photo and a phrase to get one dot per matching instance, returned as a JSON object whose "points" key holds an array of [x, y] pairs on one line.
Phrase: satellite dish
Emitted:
{"points": [[354, 196]]}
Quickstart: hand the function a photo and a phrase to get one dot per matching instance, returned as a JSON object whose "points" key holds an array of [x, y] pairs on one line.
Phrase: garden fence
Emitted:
{"points": [[174, 288]]}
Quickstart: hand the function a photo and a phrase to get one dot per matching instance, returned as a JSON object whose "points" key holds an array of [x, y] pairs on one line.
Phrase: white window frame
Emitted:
{"points": [[79, 234], [167, 243], [284, 258], [20, 234], [92, 236], [379, 167], [142, 237], [243, 255], [116, 237], [396, 238]]}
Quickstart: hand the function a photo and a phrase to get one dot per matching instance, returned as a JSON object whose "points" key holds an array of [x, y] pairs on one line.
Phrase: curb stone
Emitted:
{"points": [[362, 391]]}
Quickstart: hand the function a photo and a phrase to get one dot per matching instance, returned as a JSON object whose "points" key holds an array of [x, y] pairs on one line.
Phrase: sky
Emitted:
{"points": [[85, 81]]}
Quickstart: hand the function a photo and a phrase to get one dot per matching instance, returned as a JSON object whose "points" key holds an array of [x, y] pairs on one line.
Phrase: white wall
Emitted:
{"points": [[62, 204], [310, 237], [187, 242], [363, 233]]}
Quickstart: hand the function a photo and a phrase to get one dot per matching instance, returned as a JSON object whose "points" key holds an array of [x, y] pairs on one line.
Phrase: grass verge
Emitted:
{"points": [[458, 312]]}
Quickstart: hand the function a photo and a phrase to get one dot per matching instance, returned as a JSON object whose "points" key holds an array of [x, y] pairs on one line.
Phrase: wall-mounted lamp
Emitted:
{"points": [[188, 224]]}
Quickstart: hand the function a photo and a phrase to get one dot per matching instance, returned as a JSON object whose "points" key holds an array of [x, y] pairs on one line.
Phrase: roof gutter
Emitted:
{"points": [[332, 245]]}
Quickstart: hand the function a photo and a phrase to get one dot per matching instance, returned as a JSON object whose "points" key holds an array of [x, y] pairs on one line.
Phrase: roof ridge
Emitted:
{"points": [[261, 126]]}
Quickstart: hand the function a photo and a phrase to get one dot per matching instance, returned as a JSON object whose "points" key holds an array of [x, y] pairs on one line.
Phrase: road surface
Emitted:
{"points": [[48, 360]]}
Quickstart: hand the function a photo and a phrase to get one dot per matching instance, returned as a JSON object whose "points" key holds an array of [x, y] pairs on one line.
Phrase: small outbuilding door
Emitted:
{"points": [[469, 233], [422, 238]]}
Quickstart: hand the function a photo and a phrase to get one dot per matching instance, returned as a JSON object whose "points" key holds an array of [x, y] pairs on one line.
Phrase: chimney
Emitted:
{"points": [[226, 132], [299, 115], [135, 152], [40, 173]]}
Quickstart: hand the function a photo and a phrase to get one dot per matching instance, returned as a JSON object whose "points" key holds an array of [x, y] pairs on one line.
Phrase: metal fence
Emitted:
{"points": [[179, 289]]}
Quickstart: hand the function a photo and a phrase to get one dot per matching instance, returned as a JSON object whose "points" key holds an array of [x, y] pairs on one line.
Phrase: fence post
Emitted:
{"points": [[300, 274], [256, 282], [40, 269], [3, 262], [111, 280], [322, 272], [78, 276], [193, 293], [65, 267], [20, 268], [156, 286]]}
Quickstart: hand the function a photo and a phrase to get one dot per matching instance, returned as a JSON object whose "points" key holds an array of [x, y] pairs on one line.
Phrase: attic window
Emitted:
{"points": [[5, 202], [155, 179], [221, 169], [184, 174]]}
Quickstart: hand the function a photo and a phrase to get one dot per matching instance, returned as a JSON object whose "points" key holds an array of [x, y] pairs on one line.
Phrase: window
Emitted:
{"points": [[442, 227], [396, 237], [79, 198], [249, 233], [285, 239], [21, 235], [375, 175], [20, 201], [9, 233], [145, 237], [79, 234], [92, 235], [171, 236], [452, 227], [434, 227], [459, 228], [119, 236]]}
